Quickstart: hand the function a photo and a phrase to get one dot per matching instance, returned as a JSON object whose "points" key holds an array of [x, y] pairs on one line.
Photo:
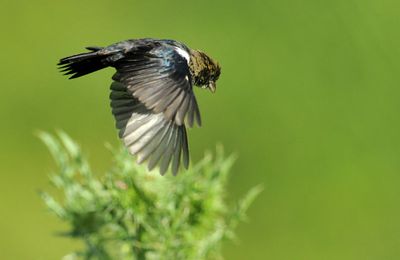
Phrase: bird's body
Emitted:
{"points": [[152, 95]]}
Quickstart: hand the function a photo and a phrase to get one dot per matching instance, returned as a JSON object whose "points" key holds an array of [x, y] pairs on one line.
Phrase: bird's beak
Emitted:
{"points": [[212, 86]]}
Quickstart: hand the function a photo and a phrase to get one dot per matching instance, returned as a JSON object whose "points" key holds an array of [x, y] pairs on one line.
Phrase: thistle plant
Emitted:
{"points": [[130, 213]]}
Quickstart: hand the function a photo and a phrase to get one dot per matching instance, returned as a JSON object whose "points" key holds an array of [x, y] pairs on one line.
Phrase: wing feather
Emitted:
{"points": [[161, 80], [165, 161], [185, 148], [156, 156], [148, 135]]}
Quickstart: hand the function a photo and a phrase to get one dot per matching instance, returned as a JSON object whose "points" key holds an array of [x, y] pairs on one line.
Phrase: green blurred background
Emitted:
{"points": [[308, 98]]}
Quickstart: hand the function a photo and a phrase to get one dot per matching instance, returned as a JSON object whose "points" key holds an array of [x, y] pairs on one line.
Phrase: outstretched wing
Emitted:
{"points": [[159, 77], [149, 135]]}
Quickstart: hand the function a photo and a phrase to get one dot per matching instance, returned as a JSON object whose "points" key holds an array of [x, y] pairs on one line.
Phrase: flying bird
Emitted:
{"points": [[152, 96]]}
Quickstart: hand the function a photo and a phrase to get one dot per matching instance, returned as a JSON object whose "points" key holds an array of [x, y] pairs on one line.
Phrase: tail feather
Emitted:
{"points": [[83, 63], [93, 48]]}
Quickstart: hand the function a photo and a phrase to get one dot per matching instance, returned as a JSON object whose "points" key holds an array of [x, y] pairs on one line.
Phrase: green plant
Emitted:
{"points": [[130, 213]]}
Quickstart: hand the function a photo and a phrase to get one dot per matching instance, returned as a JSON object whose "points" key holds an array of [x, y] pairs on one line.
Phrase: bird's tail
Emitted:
{"points": [[84, 63]]}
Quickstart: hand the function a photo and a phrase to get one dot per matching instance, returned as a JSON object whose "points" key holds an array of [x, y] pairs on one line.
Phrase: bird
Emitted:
{"points": [[152, 96]]}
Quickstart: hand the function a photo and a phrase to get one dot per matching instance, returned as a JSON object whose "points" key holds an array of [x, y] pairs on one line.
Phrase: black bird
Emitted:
{"points": [[152, 96]]}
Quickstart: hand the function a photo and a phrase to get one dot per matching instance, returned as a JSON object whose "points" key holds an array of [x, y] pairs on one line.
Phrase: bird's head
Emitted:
{"points": [[204, 69]]}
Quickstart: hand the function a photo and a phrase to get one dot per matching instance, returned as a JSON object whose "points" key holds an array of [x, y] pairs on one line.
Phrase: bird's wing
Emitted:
{"points": [[159, 77], [149, 135]]}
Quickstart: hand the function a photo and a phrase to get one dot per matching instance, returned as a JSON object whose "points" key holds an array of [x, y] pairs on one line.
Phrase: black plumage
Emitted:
{"points": [[152, 95]]}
